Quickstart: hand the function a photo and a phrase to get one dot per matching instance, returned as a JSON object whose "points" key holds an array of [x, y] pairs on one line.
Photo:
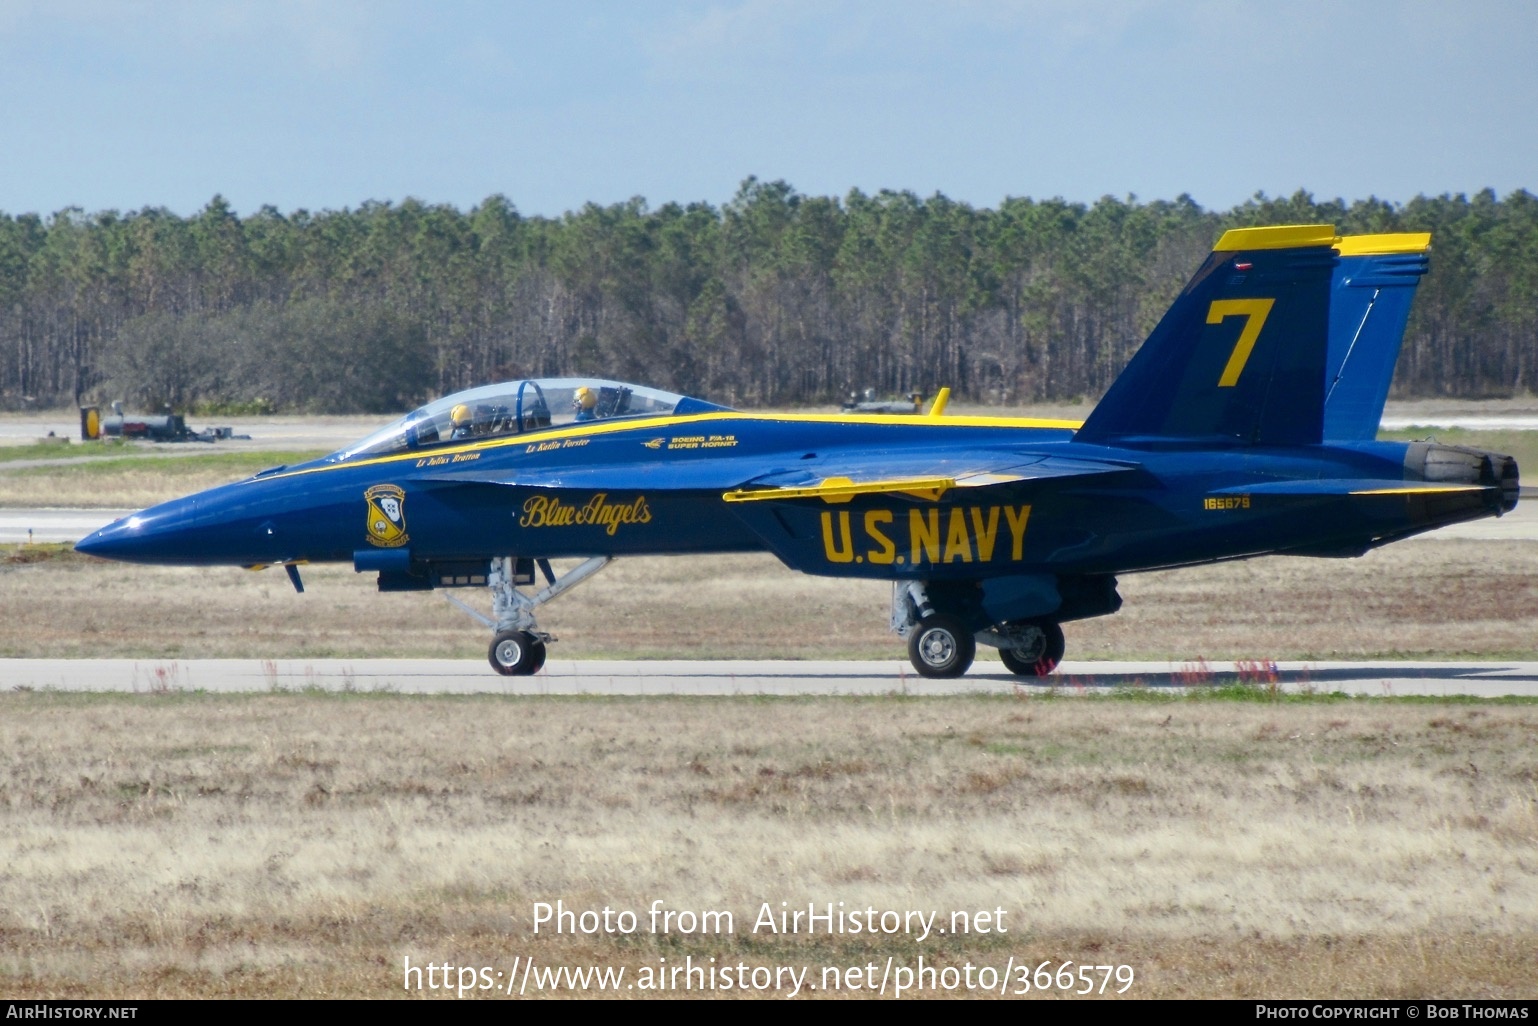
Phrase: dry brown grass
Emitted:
{"points": [[122, 490], [180, 845], [1427, 599]]}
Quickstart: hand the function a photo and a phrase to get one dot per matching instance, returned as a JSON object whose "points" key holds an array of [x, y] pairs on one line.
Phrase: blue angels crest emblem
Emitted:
{"points": [[387, 516]]}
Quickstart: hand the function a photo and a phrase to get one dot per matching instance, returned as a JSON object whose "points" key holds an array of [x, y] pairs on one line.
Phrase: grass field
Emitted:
{"points": [[294, 845]]}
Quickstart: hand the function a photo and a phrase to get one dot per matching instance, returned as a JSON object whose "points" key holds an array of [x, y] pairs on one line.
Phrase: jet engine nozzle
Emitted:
{"points": [[1454, 464]]}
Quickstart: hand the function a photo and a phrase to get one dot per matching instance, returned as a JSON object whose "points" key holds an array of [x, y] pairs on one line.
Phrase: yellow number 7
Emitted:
{"points": [[1254, 312]]}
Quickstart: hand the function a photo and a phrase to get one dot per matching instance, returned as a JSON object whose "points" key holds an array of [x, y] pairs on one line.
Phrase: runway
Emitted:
{"points": [[750, 677], [54, 525], [1460, 421]]}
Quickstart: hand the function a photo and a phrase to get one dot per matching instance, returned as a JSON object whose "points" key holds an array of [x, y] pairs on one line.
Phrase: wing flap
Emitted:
{"points": [[842, 489]]}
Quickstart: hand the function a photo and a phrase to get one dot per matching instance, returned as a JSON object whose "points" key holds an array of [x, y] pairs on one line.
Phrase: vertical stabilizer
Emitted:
{"points": [[1370, 295], [1239, 358]]}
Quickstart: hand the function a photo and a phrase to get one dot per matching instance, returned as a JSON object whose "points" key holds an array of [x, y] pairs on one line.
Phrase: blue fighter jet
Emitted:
{"points": [[1244, 426]]}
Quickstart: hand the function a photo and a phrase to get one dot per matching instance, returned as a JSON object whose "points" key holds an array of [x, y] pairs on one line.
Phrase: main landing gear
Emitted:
{"points": [[1035, 647], [942, 646], [518, 646]]}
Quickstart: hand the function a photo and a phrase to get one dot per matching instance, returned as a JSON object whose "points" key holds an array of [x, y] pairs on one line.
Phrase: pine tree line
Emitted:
{"points": [[776, 298]]}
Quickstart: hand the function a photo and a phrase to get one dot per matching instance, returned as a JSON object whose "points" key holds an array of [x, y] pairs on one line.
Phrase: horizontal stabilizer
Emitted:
{"points": [[1348, 487]]}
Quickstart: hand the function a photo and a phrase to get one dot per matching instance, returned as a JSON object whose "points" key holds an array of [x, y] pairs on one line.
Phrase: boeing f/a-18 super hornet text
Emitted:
{"points": [[1244, 426]]}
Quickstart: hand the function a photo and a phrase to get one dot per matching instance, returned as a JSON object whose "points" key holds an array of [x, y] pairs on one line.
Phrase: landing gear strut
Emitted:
{"points": [[518, 647]]}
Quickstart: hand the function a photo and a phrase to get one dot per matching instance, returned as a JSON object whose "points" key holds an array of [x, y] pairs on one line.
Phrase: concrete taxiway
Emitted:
{"points": [[750, 677]]}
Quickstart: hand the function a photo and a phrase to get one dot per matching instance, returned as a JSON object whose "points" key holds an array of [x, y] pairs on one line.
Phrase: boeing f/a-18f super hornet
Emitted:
{"points": [[1244, 426]]}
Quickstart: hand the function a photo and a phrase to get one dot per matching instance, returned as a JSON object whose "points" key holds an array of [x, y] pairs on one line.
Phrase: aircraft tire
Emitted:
{"points": [[941, 647], [513, 653], [1037, 660]]}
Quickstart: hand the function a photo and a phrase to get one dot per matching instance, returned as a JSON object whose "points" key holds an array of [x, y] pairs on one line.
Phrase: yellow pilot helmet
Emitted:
{"points": [[460, 415], [584, 398]]}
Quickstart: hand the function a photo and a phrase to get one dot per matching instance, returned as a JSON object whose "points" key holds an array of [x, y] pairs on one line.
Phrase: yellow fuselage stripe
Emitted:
{"points": [[1420, 490]]}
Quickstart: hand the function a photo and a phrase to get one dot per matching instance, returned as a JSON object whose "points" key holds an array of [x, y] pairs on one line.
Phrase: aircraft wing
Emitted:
{"points": [[918, 474], [801, 514]]}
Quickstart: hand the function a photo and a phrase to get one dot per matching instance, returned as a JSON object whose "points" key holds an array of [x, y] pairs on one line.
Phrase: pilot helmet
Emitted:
{"points": [[584, 399], [460, 415]]}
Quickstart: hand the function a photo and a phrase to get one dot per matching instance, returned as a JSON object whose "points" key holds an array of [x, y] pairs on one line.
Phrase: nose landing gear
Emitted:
{"points": [[518, 646], [516, 653]]}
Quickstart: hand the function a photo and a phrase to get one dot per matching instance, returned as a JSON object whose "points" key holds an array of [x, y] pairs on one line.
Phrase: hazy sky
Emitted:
{"points": [[329, 103]]}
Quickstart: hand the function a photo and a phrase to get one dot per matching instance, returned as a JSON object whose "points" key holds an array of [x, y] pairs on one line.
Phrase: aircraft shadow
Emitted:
{"points": [[1261, 676]]}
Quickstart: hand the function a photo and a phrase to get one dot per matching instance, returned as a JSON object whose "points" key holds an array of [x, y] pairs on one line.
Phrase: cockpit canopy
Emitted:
{"points": [[519, 407]]}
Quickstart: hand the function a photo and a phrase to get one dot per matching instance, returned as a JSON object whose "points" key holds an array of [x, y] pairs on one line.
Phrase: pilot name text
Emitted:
{"points": [[439, 461]]}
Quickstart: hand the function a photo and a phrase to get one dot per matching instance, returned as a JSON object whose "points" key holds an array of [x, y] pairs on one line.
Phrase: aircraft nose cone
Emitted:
{"points": [[118, 540], [150, 536]]}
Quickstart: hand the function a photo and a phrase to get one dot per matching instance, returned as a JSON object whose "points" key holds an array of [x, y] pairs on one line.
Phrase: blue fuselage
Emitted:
{"points": [[655, 485]]}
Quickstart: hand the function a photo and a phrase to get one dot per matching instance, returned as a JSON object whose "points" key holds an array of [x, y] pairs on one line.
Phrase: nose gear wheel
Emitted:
{"points": [[516, 653]]}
